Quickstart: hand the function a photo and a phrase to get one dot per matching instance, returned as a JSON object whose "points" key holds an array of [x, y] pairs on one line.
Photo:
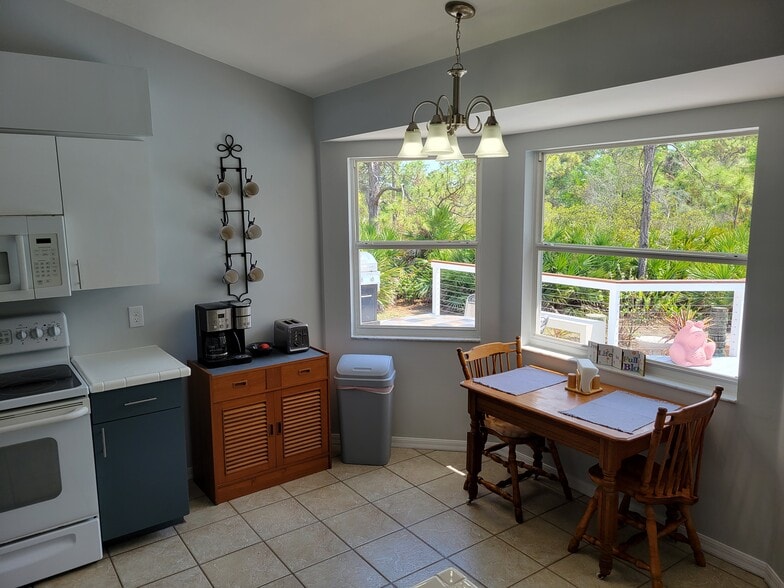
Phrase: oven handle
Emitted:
{"points": [[74, 414]]}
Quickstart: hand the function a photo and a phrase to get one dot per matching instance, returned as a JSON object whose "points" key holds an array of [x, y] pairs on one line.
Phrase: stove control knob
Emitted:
{"points": [[54, 330], [21, 335], [36, 333]]}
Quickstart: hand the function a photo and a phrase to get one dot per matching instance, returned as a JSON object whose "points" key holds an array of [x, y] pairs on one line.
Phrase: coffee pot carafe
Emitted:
{"points": [[215, 346]]}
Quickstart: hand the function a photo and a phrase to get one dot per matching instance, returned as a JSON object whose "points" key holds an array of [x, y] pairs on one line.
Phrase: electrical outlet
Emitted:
{"points": [[135, 316]]}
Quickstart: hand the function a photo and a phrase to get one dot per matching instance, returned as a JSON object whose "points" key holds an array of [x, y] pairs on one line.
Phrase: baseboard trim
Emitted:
{"points": [[724, 552]]}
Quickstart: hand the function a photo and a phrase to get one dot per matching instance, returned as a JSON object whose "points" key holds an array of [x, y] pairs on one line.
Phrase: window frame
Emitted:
{"points": [[397, 332], [656, 372]]}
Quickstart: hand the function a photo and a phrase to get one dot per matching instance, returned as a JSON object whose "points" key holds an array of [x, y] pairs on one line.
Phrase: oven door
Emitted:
{"points": [[47, 472]]}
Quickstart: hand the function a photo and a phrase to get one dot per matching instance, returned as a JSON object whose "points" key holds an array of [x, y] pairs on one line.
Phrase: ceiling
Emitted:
{"points": [[316, 47]]}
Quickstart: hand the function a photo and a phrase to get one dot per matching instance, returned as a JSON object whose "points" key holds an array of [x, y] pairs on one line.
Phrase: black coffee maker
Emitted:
{"points": [[220, 333]]}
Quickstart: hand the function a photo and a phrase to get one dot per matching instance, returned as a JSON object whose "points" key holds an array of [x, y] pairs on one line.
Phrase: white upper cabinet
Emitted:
{"points": [[29, 181], [108, 212]]}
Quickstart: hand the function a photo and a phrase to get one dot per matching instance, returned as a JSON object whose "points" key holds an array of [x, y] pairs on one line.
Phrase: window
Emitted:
{"points": [[414, 248], [636, 239]]}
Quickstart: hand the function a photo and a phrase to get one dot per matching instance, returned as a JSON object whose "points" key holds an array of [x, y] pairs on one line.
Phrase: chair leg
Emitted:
{"points": [[691, 533], [537, 461], [559, 468], [582, 526], [517, 500], [653, 546]]}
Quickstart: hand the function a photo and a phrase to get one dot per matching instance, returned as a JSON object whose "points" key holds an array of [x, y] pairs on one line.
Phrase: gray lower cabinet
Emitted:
{"points": [[140, 462]]}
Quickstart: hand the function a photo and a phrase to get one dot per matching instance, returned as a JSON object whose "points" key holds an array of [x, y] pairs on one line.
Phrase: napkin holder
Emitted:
{"points": [[575, 381]]}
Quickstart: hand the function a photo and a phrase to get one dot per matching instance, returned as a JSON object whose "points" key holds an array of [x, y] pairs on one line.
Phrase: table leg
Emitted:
{"points": [[473, 452], [608, 504], [608, 510]]}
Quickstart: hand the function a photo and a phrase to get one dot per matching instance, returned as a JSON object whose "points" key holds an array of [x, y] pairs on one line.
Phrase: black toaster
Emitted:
{"points": [[291, 335]]}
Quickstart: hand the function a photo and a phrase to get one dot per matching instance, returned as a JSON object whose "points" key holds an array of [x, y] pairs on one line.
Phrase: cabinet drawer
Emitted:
{"points": [[128, 402], [302, 372], [242, 383]]}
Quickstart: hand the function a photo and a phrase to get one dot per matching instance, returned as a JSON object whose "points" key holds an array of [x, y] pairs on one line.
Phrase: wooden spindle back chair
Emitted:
{"points": [[668, 475], [494, 358]]}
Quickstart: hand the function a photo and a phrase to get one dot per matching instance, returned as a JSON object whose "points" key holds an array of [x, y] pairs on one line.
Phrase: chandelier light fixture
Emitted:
{"points": [[441, 140]]}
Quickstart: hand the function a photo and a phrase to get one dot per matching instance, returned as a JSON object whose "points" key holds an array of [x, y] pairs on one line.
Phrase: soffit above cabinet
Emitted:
{"points": [[65, 96]]}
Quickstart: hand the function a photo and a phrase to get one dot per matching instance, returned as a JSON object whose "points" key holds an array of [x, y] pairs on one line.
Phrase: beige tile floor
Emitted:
{"points": [[372, 526]]}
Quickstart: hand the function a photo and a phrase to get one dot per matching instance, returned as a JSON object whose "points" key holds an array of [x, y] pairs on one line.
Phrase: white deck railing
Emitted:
{"points": [[585, 327]]}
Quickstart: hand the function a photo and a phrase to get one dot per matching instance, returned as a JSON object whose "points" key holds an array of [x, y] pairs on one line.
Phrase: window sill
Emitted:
{"points": [[658, 375]]}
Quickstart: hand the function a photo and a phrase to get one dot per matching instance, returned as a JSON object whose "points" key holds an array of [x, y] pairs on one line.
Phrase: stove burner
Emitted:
{"points": [[37, 381]]}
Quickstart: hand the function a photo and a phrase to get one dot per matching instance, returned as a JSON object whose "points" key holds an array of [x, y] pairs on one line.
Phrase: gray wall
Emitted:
{"points": [[195, 102], [743, 478]]}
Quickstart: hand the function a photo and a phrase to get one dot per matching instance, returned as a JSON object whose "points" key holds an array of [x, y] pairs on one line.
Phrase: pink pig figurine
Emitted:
{"points": [[691, 346]]}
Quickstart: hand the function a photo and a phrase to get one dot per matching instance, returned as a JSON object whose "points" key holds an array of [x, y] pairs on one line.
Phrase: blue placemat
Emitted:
{"points": [[521, 380], [620, 410]]}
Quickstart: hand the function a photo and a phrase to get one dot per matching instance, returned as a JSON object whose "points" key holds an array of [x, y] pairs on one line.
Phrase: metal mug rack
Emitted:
{"points": [[233, 255]]}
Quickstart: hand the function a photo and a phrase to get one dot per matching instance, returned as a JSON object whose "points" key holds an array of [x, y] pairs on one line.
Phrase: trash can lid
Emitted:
{"points": [[354, 367]]}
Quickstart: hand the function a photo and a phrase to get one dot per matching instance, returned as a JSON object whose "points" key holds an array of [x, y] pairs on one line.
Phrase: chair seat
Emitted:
{"points": [[501, 427]]}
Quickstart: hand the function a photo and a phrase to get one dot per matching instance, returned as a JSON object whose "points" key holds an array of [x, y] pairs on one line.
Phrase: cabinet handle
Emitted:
{"points": [[78, 273], [103, 441], [153, 399], [271, 430], [304, 371], [280, 427], [239, 384]]}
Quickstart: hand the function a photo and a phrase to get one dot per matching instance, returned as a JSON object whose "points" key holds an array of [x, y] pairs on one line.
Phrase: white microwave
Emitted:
{"points": [[33, 258]]}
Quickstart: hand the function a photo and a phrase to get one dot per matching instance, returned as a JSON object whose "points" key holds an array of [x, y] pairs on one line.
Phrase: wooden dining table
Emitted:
{"points": [[539, 412]]}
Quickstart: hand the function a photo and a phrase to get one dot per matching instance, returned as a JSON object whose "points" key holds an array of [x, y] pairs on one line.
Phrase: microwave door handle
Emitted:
{"points": [[24, 278]]}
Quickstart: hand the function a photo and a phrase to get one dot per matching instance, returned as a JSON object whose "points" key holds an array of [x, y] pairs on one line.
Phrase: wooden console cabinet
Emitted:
{"points": [[260, 424]]}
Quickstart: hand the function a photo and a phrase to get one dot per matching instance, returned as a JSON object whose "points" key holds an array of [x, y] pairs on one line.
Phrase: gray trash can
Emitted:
{"points": [[364, 385]]}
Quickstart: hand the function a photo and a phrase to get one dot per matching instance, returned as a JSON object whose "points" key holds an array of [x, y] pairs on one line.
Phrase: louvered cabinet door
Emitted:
{"points": [[245, 437], [304, 422]]}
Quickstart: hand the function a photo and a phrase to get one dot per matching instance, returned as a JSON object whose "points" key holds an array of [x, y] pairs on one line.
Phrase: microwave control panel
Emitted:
{"points": [[45, 255]]}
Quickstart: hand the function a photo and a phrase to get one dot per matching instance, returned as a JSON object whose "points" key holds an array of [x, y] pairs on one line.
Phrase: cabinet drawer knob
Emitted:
{"points": [[304, 371], [239, 384]]}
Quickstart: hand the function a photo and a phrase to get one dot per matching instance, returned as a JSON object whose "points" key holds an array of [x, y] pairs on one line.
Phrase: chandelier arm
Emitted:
{"points": [[439, 112], [477, 101]]}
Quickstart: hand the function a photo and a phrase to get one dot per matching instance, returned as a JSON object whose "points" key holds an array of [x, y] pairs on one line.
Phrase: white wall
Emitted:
{"points": [[195, 102], [743, 478]]}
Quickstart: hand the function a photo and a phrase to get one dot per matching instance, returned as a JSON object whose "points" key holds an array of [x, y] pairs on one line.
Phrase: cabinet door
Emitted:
{"points": [[141, 472], [108, 212], [244, 442], [304, 419], [29, 180]]}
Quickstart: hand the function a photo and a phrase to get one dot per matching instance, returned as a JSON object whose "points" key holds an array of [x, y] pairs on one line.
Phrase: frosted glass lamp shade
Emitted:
{"points": [[456, 153], [412, 143], [492, 142], [437, 142]]}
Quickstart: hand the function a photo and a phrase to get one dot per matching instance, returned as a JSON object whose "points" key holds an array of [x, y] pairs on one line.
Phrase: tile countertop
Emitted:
{"points": [[129, 367]]}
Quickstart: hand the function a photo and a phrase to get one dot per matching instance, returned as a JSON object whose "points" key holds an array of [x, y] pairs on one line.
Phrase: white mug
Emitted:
{"points": [[250, 189], [226, 232], [253, 231], [231, 276], [223, 189], [255, 274]]}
